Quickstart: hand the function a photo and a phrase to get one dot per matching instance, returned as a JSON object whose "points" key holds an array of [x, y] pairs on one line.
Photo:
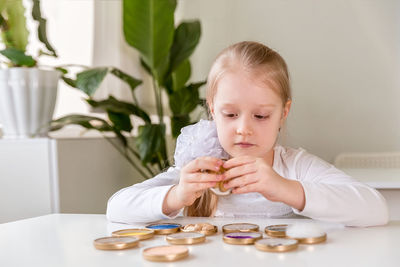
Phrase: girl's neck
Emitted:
{"points": [[269, 158]]}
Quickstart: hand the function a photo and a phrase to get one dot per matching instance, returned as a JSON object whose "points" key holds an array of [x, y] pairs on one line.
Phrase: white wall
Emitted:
{"points": [[70, 27], [89, 32], [343, 57], [70, 31]]}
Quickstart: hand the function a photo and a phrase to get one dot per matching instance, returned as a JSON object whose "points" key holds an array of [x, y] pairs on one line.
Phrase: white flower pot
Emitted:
{"points": [[27, 101]]}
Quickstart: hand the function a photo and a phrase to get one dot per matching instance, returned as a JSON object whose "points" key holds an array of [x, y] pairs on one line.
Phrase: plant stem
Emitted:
{"points": [[160, 111], [73, 65], [152, 172], [157, 94], [145, 176], [160, 104], [137, 156], [134, 99], [125, 155], [159, 162]]}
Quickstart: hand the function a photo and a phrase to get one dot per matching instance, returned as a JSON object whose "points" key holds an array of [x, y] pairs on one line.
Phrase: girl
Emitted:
{"points": [[249, 98]]}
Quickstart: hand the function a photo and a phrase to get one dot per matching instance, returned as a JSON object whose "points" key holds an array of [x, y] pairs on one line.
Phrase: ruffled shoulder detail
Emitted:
{"points": [[198, 140]]}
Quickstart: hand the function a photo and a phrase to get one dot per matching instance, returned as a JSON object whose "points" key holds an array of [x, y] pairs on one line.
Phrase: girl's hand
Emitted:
{"points": [[250, 174], [195, 178]]}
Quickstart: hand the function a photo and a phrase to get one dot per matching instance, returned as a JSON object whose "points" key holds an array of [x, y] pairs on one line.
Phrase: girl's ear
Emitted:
{"points": [[286, 110], [211, 108]]}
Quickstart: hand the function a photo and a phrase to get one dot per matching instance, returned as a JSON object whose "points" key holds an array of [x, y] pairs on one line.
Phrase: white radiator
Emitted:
{"points": [[368, 160]]}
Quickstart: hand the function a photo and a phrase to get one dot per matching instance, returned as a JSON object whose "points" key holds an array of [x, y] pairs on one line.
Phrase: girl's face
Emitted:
{"points": [[248, 115]]}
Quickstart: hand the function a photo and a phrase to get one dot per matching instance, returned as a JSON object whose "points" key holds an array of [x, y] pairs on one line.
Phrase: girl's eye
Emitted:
{"points": [[261, 117], [230, 115]]}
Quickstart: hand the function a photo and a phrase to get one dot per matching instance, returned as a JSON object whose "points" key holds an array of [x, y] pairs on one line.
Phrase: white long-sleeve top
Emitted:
{"points": [[330, 194]]}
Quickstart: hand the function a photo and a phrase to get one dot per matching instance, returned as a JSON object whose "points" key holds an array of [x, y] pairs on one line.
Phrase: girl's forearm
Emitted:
{"points": [[171, 203], [292, 194]]}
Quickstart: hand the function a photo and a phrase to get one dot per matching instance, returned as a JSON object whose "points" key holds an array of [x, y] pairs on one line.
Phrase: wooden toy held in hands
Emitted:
{"points": [[219, 188]]}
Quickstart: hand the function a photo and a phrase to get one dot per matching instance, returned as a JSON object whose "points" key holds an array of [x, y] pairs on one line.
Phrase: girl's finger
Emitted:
{"points": [[241, 181], [200, 177], [249, 188], [204, 163], [240, 170], [233, 162], [194, 187]]}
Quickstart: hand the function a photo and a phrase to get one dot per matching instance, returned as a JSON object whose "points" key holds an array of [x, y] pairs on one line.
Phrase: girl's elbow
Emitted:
{"points": [[377, 216], [382, 215], [381, 212], [378, 219], [376, 212]]}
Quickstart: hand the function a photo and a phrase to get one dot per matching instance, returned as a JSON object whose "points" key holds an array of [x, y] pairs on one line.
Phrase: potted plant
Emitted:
{"points": [[27, 91], [164, 49]]}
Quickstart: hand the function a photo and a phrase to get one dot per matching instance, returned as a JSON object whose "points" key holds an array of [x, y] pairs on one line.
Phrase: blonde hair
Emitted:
{"points": [[255, 59], [204, 206], [262, 63]]}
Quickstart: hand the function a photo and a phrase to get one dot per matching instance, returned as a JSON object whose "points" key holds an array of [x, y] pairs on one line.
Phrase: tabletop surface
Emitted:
{"points": [[67, 240]]}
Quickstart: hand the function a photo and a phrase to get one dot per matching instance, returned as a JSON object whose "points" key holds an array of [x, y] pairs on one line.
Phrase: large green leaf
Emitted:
{"points": [[36, 14], [121, 121], [177, 79], [131, 81], [186, 99], [181, 75], [3, 4], [69, 81], [182, 102], [178, 122], [18, 57], [89, 81], [149, 27], [88, 122], [161, 73], [17, 34], [145, 66], [62, 70], [186, 38], [151, 143], [3, 23], [115, 105]]}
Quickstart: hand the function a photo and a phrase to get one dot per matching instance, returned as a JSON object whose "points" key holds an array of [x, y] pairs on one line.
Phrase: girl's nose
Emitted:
{"points": [[244, 128]]}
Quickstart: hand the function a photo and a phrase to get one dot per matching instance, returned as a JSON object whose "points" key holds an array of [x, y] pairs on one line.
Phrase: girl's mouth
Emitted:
{"points": [[244, 144]]}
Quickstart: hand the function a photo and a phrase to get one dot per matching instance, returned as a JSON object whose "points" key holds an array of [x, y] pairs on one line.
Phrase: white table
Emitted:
{"points": [[66, 240]]}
